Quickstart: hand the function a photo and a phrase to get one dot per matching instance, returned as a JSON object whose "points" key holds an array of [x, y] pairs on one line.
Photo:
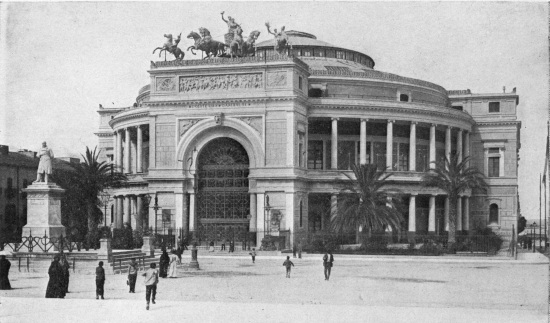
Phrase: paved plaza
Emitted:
{"points": [[361, 289]]}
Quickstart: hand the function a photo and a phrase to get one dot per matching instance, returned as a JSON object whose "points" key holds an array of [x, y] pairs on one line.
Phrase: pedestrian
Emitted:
{"points": [[211, 248], [223, 245], [328, 259], [299, 250], [179, 252], [5, 265], [232, 246], [163, 264], [99, 281], [294, 251], [66, 273], [288, 264], [173, 271], [253, 254], [55, 287], [132, 275], [151, 281]]}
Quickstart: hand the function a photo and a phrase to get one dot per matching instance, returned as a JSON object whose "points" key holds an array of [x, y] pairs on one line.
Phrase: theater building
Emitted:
{"points": [[261, 144]]}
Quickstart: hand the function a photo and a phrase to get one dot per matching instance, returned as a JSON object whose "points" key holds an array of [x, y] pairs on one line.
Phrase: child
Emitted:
{"points": [[288, 265], [151, 281], [99, 280], [253, 254]]}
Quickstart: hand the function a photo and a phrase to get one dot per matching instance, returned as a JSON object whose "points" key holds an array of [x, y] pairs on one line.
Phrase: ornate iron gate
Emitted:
{"points": [[223, 201]]}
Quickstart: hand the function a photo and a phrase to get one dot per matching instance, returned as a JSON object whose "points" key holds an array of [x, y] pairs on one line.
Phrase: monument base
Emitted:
{"points": [[49, 231], [44, 210]]}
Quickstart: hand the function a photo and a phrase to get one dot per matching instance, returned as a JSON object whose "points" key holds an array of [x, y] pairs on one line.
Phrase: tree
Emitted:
{"points": [[364, 202], [86, 181], [454, 177]]}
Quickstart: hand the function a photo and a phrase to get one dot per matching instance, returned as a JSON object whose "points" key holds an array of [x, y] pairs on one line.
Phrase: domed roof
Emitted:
{"points": [[298, 38]]}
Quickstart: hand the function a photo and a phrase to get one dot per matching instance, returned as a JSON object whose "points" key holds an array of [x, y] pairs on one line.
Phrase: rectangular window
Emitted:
{"points": [[300, 82], [307, 53], [320, 53], [494, 107], [339, 54], [315, 154], [346, 154], [379, 152], [494, 165], [422, 158]]}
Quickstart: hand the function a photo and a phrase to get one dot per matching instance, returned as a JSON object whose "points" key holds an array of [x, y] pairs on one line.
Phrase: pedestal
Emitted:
{"points": [[148, 247], [105, 251], [194, 264], [44, 210]]}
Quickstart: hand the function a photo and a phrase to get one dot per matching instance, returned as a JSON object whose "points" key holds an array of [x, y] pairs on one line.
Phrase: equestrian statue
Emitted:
{"points": [[205, 43], [171, 47]]}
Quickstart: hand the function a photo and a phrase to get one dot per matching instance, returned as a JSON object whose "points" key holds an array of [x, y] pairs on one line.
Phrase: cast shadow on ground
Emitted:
{"points": [[406, 280]]}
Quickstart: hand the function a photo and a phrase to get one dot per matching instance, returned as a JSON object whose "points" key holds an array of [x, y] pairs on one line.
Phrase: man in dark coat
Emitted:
{"points": [[55, 284], [328, 259], [99, 281], [5, 265], [66, 273]]}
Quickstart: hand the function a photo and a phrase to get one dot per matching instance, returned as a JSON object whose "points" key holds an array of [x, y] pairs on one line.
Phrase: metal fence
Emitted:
{"points": [[42, 244]]}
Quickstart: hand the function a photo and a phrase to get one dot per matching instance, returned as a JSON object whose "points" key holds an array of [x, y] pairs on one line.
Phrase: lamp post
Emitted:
{"points": [[533, 227], [193, 171], [105, 199], [155, 207], [267, 207]]}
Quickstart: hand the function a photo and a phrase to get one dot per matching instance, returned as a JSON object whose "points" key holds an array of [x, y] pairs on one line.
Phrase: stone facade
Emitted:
{"points": [[261, 143]]}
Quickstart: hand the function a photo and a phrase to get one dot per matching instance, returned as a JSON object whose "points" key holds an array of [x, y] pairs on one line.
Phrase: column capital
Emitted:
{"points": [[449, 127], [414, 122], [414, 194], [460, 130], [391, 121], [335, 119], [433, 125], [364, 119]]}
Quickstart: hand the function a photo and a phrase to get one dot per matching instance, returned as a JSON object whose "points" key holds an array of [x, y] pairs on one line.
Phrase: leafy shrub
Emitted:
{"points": [[377, 242], [123, 238], [322, 242], [271, 243]]}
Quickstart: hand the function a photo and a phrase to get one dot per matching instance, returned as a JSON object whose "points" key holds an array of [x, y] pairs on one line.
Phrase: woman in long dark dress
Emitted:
{"points": [[65, 265], [163, 264], [55, 284], [5, 265]]}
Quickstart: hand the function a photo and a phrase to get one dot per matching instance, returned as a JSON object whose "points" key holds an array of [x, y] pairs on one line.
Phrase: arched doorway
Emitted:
{"points": [[223, 201]]}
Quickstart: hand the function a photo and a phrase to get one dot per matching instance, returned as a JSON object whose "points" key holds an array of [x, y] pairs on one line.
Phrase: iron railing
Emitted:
{"points": [[42, 244]]}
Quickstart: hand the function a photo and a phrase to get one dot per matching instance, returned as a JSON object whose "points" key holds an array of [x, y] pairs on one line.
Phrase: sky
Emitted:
{"points": [[59, 61]]}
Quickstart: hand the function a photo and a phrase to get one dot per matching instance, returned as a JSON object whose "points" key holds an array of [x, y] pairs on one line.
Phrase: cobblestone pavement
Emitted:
{"points": [[234, 289]]}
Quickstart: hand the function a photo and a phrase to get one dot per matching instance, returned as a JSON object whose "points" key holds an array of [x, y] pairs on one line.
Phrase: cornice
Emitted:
{"points": [[103, 134], [499, 123], [128, 117], [221, 103], [227, 61]]}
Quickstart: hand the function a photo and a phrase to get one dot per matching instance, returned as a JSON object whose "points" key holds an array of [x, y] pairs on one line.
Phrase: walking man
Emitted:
{"points": [[132, 275], [328, 259], [288, 264], [151, 281], [99, 281], [253, 254]]}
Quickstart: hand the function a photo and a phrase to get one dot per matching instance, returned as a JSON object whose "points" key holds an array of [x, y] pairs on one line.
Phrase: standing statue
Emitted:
{"points": [[281, 39], [248, 45], [171, 47], [45, 166], [231, 26]]}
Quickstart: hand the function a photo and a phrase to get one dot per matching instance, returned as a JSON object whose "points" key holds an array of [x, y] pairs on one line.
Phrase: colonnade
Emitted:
{"points": [[125, 147], [129, 209], [462, 143]]}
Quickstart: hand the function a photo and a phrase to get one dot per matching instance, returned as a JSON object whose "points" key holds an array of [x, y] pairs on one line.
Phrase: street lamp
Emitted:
{"points": [[534, 226], [267, 207], [105, 199], [155, 207]]}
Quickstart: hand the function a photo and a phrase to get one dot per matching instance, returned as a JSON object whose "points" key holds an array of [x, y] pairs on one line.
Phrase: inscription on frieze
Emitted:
{"points": [[220, 82], [276, 79], [166, 84]]}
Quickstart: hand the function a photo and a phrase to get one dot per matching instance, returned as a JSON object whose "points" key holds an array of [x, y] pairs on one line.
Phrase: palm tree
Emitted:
{"points": [[88, 179], [365, 203], [454, 177]]}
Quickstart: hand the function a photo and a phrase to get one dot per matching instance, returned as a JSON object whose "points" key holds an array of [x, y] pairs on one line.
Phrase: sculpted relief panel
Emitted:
{"points": [[255, 122], [186, 125], [276, 79], [220, 82], [165, 84]]}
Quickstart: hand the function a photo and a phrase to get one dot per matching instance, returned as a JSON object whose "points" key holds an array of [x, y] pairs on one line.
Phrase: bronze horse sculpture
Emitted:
{"points": [[210, 47], [171, 47], [248, 45]]}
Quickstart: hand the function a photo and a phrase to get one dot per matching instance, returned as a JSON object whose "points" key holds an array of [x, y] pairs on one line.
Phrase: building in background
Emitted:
{"points": [[259, 145]]}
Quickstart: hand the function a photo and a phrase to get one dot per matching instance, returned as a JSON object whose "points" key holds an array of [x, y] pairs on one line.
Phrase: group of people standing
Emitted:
{"points": [[58, 284], [168, 264]]}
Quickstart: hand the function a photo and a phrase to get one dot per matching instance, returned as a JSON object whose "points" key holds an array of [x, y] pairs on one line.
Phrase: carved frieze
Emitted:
{"points": [[220, 82], [276, 79], [165, 84], [254, 122], [186, 125]]}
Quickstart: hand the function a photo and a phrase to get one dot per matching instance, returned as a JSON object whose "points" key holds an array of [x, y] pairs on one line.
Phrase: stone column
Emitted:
{"points": [[431, 216], [139, 149], [467, 145], [333, 207], [363, 142], [115, 144], [412, 216], [334, 145], [185, 213], [127, 209], [119, 150], [466, 225], [412, 148], [290, 219], [192, 211], [253, 213], [133, 212], [389, 145], [432, 146], [459, 145], [448, 143], [133, 154], [178, 200], [139, 212], [446, 219], [120, 212], [459, 214], [260, 222], [127, 151]]}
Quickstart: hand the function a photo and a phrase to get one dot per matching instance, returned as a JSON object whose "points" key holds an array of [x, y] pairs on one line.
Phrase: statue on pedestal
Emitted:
{"points": [[281, 39], [45, 166]]}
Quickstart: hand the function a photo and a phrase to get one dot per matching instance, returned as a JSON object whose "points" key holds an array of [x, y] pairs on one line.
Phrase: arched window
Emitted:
{"points": [[493, 213]]}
